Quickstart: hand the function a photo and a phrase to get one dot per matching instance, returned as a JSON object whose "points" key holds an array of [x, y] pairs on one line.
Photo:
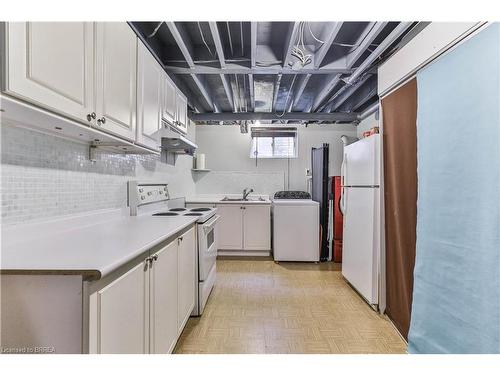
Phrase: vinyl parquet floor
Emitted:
{"points": [[258, 306]]}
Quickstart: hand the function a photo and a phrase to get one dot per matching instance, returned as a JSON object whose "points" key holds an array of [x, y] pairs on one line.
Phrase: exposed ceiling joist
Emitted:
{"points": [[186, 48], [253, 43], [218, 43], [252, 92], [228, 91], [204, 92], [181, 38], [321, 54], [345, 93], [289, 43], [325, 91], [300, 90], [372, 30], [390, 39], [239, 69], [269, 116], [276, 91]]}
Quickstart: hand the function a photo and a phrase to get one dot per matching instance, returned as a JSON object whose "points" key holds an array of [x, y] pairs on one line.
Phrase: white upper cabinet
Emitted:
{"points": [[149, 97], [182, 118], [169, 112], [51, 64], [116, 69]]}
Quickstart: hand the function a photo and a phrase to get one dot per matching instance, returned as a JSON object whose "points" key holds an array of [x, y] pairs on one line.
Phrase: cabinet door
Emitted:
{"points": [[256, 227], [169, 112], [182, 118], [122, 313], [51, 64], [149, 90], [230, 226], [116, 69], [187, 276], [163, 297]]}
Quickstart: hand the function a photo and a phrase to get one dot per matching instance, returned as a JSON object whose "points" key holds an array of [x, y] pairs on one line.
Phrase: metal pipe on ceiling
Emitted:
{"points": [[370, 111]]}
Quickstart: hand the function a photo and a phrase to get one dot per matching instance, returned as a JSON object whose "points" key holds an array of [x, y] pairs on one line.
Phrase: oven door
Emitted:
{"points": [[207, 235]]}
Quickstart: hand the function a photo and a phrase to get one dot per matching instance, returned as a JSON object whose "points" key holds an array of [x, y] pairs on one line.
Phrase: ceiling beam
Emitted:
{"points": [[364, 41], [218, 43], [228, 91], [345, 93], [252, 92], [325, 91], [239, 69], [253, 43], [369, 35], [182, 40], [321, 54], [362, 95], [291, 36], [186, 48], [276, 91], [300, 90], [270, 116], [204, 92], [386, 43]]}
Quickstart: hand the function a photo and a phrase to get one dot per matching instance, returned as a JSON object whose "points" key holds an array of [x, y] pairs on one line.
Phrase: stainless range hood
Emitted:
{"points": [[173, 144]]}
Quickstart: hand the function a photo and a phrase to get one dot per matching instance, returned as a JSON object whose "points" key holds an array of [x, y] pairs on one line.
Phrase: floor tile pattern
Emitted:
{"points": [[258, 306]]}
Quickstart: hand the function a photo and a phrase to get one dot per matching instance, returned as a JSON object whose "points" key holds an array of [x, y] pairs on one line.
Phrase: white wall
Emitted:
{"points": [[227, 149], [44, 176], [366, 124]]}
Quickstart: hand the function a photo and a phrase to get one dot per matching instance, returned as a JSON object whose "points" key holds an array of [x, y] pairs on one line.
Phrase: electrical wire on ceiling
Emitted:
{"points": [[204, 41], [155, 30], [287, 96]]}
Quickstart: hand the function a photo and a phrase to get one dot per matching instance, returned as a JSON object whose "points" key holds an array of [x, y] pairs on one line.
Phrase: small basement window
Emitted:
{"points": [[273, 143]]}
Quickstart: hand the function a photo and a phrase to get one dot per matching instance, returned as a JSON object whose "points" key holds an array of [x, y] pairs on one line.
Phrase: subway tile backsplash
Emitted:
{"points": [[44, 176]]}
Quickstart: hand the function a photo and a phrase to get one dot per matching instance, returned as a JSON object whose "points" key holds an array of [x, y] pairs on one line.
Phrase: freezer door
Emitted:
{"points": [[361, 241], [361, 162]]}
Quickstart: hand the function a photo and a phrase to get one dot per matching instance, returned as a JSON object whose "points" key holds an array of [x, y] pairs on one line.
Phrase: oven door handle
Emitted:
{"points": [[207, 227]]}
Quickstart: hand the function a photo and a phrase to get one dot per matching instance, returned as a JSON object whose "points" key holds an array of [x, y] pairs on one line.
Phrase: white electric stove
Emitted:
{"points": [[154, 199]]}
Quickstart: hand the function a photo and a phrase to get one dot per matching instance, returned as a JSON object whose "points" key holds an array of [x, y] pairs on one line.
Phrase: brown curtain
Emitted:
{"points": [[400, 189]]}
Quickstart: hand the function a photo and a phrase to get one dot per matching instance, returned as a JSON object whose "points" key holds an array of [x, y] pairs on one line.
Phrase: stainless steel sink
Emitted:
{"points": [[227, 199]]}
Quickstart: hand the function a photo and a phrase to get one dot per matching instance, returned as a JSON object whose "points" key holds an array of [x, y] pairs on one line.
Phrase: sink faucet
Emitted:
{"points": [[246, 193]]}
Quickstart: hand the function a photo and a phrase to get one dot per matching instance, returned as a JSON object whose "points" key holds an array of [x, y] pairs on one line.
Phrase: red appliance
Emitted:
{"points": [[337, 220]]}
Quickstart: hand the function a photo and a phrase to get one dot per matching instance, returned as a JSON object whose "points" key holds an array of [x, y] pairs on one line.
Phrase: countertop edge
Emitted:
{"points": [[97, 274]]}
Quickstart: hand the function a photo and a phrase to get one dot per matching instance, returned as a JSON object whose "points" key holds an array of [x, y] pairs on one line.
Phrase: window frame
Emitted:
{"points": [[295, 155]]}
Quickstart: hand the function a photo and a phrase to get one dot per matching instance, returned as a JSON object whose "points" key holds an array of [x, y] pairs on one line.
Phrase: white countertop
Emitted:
{"points": [[217, 198], [94, 245]]}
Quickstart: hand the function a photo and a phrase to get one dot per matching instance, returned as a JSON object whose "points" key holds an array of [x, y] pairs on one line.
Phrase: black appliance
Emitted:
{"points": [[319, 193]]}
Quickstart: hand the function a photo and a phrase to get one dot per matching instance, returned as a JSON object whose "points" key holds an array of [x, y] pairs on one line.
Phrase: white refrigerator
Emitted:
{"points": [[360, 203]]}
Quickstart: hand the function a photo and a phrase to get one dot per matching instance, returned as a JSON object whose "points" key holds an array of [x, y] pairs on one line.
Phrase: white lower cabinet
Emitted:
{"points": [[164, 300], [187, 276], [256, 227], [145, 309], [122, 314], [245, 227], [230, 226]]}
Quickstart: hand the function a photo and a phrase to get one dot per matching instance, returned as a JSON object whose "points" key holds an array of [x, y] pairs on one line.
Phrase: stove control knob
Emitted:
{"points": [[141, 190], [161, 192], [150, 193], [143, 197]]}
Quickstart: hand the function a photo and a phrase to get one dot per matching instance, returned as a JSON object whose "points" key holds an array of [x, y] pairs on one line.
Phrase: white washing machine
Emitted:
{"points": [[296, 230]]}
